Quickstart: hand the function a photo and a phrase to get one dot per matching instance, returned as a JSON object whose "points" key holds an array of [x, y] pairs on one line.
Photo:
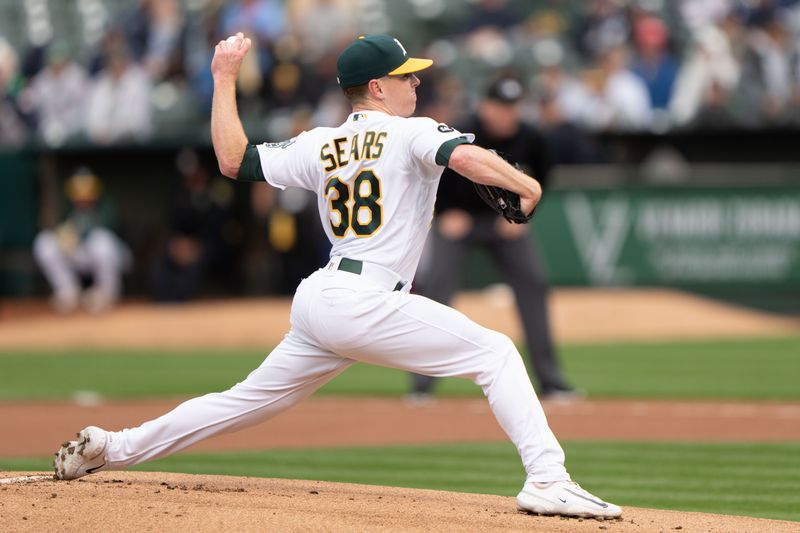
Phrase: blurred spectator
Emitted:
{"points": [[264, 20], [699, 14], [323, 27], [13, 127], [463, 222], [266, 23], [153, 31], [619, 98], [740, 59], [496, 14], [441, 96], [200, 234], [770, 69], [603, 27], [201, 37], [331, 109], [488, 33], [715, 113], [652, 61], [57, 95], [83, 244], [567, 143], [291, 84], [572, 97], [710, 65], [119, 101]]}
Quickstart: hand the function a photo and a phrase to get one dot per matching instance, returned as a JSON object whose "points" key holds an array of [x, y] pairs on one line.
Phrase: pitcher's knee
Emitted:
{"points": [[501, 352], [502, 343]]}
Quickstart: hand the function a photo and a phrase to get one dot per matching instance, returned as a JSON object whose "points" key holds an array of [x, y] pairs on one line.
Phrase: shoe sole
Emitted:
{"points": [[585, 515], [581, 515], [69, 448]]}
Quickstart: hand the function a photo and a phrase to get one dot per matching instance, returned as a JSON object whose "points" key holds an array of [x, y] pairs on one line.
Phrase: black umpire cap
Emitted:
{"points": [[507, 89]]}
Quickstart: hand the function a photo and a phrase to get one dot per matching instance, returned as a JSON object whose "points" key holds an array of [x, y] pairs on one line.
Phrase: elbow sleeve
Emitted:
{"points": [[250, 168]]}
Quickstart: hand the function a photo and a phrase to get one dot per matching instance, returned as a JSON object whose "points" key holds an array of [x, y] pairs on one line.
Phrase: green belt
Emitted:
{"points": [[355, 266]]}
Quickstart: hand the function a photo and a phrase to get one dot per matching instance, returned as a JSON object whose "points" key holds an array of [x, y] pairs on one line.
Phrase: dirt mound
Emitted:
{"points": [[154, 501]]}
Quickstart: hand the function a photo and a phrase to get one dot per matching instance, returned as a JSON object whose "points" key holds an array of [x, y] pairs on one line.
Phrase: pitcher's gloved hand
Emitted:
{"points": [[505, 202]]}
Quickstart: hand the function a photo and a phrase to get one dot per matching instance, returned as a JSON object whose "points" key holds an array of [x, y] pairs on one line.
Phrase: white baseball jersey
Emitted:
{"points": [[375, 177]]}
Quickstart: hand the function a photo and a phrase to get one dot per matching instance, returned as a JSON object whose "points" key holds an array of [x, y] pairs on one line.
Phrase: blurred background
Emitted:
{"points": [[673, 127]]}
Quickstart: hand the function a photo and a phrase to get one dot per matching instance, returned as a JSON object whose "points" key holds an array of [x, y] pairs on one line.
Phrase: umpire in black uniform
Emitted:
{"points": [[464, 221]]}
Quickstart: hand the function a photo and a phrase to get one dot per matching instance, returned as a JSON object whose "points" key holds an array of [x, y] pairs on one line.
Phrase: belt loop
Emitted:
{"points": [[371, 272], [333, 264]]}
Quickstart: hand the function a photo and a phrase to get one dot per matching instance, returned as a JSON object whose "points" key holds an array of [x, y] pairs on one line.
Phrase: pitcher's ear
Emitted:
{"points": [[375, 88]]}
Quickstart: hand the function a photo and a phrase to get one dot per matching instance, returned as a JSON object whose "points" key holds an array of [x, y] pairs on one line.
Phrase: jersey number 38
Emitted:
{"points": [[359, 209]]}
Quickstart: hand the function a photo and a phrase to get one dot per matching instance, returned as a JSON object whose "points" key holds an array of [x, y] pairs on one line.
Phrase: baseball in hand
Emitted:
{"points": [[231, 39]]}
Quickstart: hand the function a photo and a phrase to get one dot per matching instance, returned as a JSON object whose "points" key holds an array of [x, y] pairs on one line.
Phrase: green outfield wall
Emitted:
{"points": [[672, 236]]}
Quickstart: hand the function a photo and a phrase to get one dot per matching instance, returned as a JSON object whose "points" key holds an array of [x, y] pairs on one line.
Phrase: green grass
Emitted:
{"points": [[758, 480], [762, 369], [121, 373]]}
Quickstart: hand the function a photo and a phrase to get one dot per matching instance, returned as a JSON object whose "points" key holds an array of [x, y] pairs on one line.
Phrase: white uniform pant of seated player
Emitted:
{"points": [[339, 318], [102, 254]]}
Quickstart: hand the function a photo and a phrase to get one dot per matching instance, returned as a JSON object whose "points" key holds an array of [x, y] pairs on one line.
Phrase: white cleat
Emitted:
{"points": [[78, 458], [565, 498]]}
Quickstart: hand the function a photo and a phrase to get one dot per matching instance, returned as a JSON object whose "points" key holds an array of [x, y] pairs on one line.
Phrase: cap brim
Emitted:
{"points": [[412, 64]]}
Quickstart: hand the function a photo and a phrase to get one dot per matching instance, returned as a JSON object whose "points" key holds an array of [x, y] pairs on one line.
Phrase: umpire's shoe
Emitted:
{"points": [[565, 498], [86, 455]]}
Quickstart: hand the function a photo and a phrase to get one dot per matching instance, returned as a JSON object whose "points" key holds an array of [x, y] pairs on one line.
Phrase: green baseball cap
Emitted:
{"points": [[374, 56]]}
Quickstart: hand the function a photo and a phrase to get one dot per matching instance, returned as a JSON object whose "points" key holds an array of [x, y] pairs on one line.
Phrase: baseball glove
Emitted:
{"points": [[505, 202]]}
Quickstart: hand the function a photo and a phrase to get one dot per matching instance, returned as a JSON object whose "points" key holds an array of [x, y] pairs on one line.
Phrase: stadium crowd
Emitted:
{"points": [[643, 65]]}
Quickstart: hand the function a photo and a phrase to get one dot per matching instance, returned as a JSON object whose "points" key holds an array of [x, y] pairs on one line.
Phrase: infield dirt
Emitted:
{"points": [[144, 501], [136, 501], [577, 315]]}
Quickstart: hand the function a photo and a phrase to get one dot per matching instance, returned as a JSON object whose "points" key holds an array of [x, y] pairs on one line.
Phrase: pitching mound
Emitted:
{"points": [[139, 501]]}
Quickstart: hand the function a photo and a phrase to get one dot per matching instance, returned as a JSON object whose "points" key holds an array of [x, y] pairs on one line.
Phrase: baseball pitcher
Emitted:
{"points": [[375, 177]]}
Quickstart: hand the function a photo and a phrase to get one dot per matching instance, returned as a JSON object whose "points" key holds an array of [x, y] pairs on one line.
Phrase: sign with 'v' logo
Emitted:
{"points": [[600, 229]]}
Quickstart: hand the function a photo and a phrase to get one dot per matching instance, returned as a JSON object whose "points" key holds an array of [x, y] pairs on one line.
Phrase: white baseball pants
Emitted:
{"points": [[101, 254], [339, 318]]}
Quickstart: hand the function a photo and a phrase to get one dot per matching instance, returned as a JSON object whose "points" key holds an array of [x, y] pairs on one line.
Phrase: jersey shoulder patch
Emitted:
{"points": [[281, 144]]}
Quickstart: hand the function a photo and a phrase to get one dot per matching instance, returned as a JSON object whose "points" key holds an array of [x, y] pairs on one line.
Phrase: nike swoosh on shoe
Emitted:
{"points": [[95, 469], [596, 502]]}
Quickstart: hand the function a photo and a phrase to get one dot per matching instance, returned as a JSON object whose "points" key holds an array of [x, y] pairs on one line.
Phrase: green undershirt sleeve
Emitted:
{"points": [[250, 169], [446, 150]]}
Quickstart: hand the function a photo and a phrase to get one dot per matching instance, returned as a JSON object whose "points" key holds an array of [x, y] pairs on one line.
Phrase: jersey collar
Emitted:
{"points": [[361, 116]]}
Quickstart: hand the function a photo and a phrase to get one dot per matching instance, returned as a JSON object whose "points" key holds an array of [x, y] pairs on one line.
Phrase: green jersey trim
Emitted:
{"points": [[250, 169], [446, 149]]}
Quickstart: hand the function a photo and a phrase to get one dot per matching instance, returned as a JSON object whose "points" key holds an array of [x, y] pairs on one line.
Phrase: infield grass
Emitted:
{"points": [[758, 480], [760, 369]]}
